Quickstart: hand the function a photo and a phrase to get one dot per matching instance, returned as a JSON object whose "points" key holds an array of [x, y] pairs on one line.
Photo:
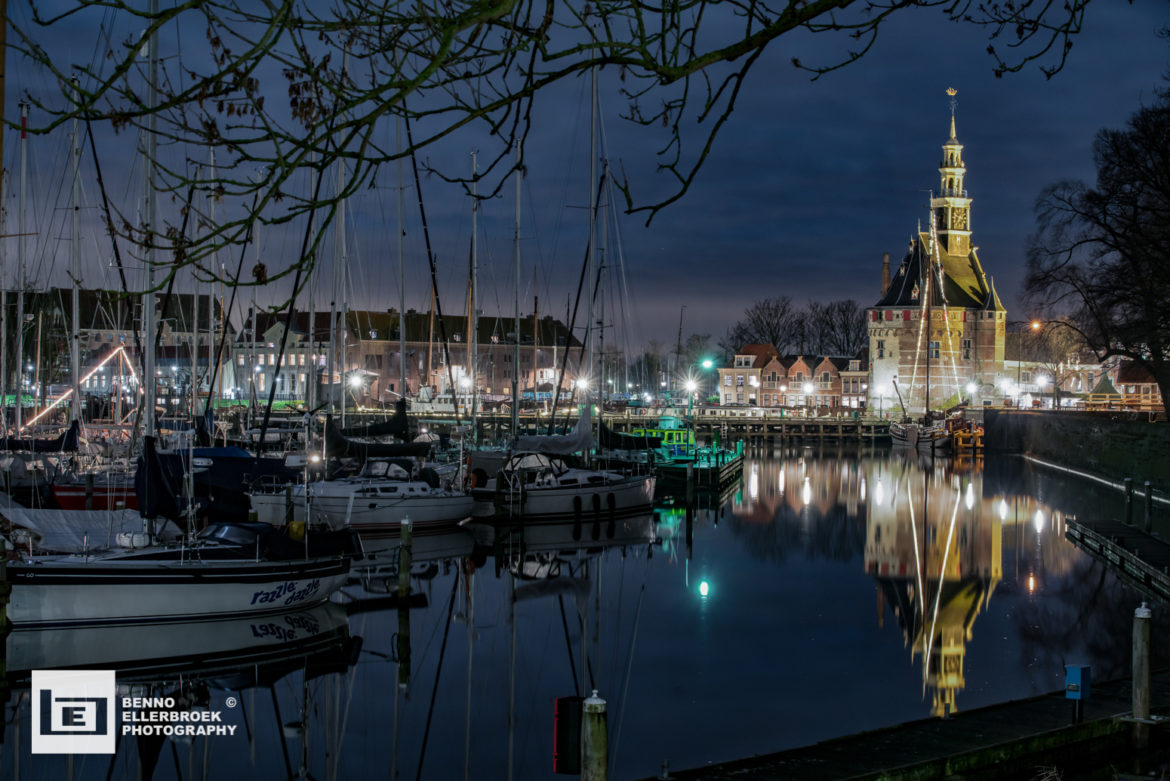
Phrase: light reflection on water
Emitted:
{"points": [[799, 607]]}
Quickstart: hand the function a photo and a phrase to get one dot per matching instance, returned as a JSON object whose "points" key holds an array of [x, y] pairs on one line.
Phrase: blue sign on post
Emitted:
{"points": [[1077, 679]]}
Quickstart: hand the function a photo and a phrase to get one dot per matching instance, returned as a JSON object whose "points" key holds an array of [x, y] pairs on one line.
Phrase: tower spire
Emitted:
{"points": [[951, 91]]}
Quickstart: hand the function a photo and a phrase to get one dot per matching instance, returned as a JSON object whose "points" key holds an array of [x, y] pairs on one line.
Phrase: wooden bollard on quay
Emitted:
{"points": [[594, 740], [1141, 662]]}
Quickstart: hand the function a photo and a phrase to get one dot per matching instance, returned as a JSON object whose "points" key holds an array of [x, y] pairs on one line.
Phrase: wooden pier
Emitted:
{"points": [[1016, 739], [755, 427], [1137, 557]]}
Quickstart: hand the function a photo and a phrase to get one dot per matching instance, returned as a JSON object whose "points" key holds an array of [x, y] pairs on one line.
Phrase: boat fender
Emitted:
{"points": [[611, 505], [577, 517], [595, 532]]}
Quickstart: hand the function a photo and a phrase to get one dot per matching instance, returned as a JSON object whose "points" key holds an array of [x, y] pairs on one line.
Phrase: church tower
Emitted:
{"points": [[959, 327]]}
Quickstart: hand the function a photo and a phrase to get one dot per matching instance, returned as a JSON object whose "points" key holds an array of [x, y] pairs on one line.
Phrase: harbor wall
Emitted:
{"points": [[1115, 446]]}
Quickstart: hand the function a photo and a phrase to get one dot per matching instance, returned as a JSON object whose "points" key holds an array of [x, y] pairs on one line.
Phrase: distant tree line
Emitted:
{"points": [[833, 328]]}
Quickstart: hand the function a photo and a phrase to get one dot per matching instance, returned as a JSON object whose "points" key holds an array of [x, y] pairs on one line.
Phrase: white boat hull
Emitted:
{"points": [[619, 499], [69, 590], [376, 519], [171, 645]]}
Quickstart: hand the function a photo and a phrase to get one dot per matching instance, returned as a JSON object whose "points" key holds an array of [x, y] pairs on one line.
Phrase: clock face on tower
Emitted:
{"points": [[959, 219]]}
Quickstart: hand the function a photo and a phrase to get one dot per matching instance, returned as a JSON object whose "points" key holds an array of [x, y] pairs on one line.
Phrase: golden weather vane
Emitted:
{"points": [[951, 91]]}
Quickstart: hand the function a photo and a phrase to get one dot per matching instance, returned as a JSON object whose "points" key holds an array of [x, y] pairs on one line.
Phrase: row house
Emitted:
{"points": [[371, 360], [742, 382], [1137, 386], [110, 329], [760, 377]]}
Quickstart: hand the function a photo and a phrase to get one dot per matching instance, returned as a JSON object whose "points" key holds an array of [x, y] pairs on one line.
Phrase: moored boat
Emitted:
{"points": [[232, 571]]}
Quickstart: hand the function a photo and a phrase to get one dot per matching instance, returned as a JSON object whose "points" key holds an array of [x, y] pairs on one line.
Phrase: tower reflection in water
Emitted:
{"points": [[935, 541], [938, 535]]}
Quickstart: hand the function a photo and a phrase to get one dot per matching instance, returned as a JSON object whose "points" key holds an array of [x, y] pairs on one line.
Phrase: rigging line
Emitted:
{"points": [[438, 672], [430, 257], [231, 305], [941, 575], [569, 645], [576, 305], [114, 242], [310, 229], [173, 275]]}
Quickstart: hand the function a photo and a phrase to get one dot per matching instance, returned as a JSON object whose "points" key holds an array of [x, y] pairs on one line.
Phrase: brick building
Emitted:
{"points": [[939, 312]]}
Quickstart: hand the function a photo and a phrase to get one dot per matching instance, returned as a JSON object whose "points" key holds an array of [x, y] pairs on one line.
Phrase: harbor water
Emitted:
{"points": [[828, 593]]}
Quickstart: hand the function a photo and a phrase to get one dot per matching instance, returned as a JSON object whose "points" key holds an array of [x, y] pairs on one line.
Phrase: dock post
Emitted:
{"points": [[1128, 482], [288, 506], [1141, 673], [690, 485], [406, 543], [1149, 526], [89, 491], [594, 741]]}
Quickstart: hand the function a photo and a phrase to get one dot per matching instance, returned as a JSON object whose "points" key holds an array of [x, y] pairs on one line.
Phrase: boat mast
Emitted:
{"points": [[148, 168], [338, 262], [401, 270], [473, 320], [75, 311], [516, 307], [601, 374], [20, 251], [311, 374], [589, 335], [4, 257]]}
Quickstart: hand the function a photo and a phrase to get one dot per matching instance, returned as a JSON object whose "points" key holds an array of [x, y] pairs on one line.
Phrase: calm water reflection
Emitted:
{"points": [[829, 593]]}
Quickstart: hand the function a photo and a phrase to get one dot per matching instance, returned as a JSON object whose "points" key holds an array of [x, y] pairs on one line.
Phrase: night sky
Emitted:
{"points": [[809, 183]]}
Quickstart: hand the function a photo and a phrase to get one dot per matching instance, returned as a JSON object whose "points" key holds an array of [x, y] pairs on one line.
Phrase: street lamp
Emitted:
{"points": [[881, 391], [808, 389]]}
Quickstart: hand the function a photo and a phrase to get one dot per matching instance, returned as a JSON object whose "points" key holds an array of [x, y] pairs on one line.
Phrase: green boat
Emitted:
{"points": [[676, 456]]}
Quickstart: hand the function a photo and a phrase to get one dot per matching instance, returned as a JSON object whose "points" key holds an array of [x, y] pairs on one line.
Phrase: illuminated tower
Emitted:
{"points": [[960, 327]]}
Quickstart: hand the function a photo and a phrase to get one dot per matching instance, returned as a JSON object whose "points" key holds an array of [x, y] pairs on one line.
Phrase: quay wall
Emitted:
{"points": [[1113, 445]]}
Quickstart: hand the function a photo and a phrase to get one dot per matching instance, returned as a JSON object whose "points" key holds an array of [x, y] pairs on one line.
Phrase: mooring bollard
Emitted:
{"points": [[1149, 507], [594, 740], [406, 541], [1141, 662], [1128, 482]]}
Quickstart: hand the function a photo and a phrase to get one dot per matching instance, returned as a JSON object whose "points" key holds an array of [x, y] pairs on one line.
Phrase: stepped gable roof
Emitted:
{"points": [[964, 283], [1133, 373]]}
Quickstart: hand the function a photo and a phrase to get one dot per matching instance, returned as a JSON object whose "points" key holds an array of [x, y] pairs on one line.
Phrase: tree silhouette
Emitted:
{"points": [[282, 90], [1101, 254]]}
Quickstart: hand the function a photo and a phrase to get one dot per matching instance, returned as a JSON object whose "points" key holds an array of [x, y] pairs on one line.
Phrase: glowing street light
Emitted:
{"points": [[355, 381]]}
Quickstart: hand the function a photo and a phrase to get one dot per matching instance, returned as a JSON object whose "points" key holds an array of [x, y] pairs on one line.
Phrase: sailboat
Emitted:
{"points": [[540, 483], [928, 434]]}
